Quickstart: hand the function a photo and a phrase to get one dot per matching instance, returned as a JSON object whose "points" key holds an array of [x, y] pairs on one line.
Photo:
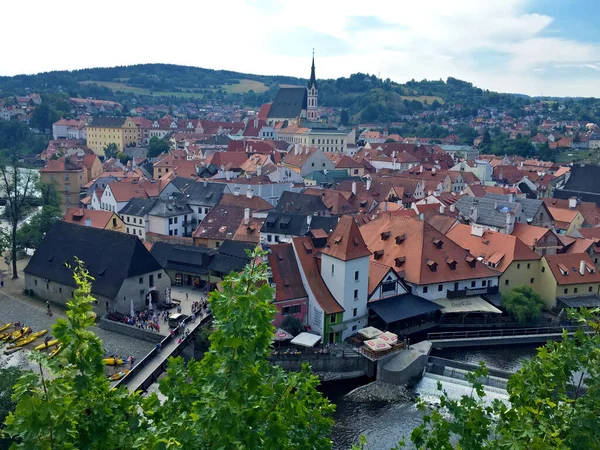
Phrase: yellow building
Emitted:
{"points": [[518, 264], [132, 133], [567, 277], [566, 220], [102, 131]]}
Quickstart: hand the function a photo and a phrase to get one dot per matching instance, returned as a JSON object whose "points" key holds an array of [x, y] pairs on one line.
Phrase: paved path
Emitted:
{"points": [[136, 381], [17, 310]]}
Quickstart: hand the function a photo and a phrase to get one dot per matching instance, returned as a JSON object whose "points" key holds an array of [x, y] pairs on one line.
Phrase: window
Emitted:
{"points": [[518, 266], [127, 230], [269, 238], [142, 291], [575, 290], [175, 219], [276, 238], [114, 222], [355, 171], [506, 282], [332, 269], [175, 232], [590, 289], [484, 283], [141, 280], [355, 327], [68, 199], [355, 312], [35, 282], [532, 280], [170, 232], [566, 291], [47, 286], [355, 294], [205, 210], [170, 221], [425, 289], [332, 318], [440, 287], [529, 265], [389, 286], [60, 290], [356, 276], [140, 232], [159, 276], [543, 269], [473, 283], [312, 164], [217, 244]]}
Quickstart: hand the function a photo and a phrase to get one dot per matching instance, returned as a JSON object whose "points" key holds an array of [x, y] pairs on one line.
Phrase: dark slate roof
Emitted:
{"points": [[285, 223], [584, 179], [138, 206], [107, 122], [583, 196], [330, 179], [487, 213], [530, 206], [297, 203], [207, 171], [585, 301], [327, 224], [231, 256], [402, 307], [288, 103], [183, 258], [110, 256], [494, 299], [170, 208], [199, 192]]}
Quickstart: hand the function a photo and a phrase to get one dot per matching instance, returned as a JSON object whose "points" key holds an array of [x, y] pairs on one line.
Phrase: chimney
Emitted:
{"points": [[308, 220], [246, 216], [368, 184], [452, 208], [572, 202], [510, 223], [394, 154], [442, 208], [296, 149], [354, 188], [385, 206], [474, 211], [511, 197], [433, 170], [205, 183], [259, 170], [307, 149], [249, 192], [88, 223], [421, 169], [582, 267], [228, 175], [236, 192]]}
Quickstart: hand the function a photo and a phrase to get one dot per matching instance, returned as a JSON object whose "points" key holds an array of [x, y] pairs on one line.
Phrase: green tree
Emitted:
{"points": [[292, 325], [31, 234], [16, 184], [549, 406], [523, 304], [157, 146], [344, 117], [7, 381], [111, 150], [70, 404], [43, 117]]}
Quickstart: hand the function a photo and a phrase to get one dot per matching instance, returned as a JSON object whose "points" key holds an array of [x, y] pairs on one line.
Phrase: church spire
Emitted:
{"points": [[313, 79]]}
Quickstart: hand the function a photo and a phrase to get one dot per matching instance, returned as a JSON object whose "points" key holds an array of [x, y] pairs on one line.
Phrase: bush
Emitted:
{"points": [[292, 325], [523, 304]]}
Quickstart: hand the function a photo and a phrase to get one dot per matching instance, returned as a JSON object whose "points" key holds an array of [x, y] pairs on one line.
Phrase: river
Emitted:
{"points": [[385, 423]]}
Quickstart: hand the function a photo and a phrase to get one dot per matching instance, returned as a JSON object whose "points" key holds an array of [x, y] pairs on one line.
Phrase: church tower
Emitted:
{"points": [[313, 94]]}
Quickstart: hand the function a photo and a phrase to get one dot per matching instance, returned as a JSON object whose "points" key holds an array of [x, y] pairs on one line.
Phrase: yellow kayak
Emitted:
{"points": [[54, 352], [111, 361], [117, 376], [4, 327], [23, 341], [19, 334], [4, 336], [45, 345]]}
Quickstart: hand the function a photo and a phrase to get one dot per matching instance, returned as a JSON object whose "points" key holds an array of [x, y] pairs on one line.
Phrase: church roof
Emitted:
{"points": [[313, 79], [289, 103]]}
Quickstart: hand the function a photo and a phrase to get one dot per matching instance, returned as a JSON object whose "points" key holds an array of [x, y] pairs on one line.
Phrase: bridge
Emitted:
{"points": [[147, 370], [488, 337]]}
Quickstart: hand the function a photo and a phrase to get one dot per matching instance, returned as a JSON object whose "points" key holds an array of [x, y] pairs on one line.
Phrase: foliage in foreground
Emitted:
{"points": [[232, 398], [549, 406]]}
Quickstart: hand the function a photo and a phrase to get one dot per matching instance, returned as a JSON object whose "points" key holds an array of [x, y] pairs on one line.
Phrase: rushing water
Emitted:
{"points": [[385, 423]]}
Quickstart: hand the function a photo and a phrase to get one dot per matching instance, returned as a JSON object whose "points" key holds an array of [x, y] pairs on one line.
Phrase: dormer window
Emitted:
{"points": [[399, 261], [438, 243], [451, 263], [400, 239], [432, 265], [385, 235], [378, 254], [471, 261], [563, 270]]}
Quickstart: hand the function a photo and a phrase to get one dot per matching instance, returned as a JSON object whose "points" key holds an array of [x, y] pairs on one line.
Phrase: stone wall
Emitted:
{"points": [[128, 330], [322, 363]]}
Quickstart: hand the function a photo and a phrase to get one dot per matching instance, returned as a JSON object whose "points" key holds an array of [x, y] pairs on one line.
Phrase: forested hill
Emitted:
{"points": [[366, 97]]}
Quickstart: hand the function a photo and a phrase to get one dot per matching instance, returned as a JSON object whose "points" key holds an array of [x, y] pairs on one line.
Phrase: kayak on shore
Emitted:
{"points": [[54, 352], [4, 327], [117, 376], [16, 335], [45, 345], [27, 340], [111, 361]]}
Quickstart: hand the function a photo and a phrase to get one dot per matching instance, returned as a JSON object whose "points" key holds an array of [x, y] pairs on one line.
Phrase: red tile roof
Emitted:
{"points": [[423, 248], [305, 251], [79, 216], [346, 242], [286, 274], [571, 262]]}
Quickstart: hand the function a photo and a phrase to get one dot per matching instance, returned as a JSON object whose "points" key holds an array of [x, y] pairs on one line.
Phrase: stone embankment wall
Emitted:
{"points": [[320, 363], [128, 330]]}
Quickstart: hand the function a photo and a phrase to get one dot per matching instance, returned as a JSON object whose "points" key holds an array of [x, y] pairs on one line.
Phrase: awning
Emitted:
{"points": [[282, 335], [378, 345], [338, 327], [306, 339], [369, 332], [390, 338], [402, 307], [466, 305], [494, 299], [585, 301]]}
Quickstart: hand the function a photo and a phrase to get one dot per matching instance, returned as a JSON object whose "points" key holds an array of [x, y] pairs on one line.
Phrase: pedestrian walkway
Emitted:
{"points": [[150, 367]]}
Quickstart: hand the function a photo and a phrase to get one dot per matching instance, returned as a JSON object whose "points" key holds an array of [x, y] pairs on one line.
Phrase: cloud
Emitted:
{"points": [[505, 45]]}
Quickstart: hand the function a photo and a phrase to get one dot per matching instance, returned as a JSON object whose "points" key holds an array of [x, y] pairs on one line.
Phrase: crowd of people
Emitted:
{"points": [[145, 320]]}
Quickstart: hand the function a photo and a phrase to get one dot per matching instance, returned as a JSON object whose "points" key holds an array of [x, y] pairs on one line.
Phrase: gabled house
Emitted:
{"points": [[157, 215], [125, 272], [305, 160], [489, 214], [104, 220], [543, 241], [535, 212], [297, 203]]}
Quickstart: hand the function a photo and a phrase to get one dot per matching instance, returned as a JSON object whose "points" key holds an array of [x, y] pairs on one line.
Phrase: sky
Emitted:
{"points": [[535, 47]]}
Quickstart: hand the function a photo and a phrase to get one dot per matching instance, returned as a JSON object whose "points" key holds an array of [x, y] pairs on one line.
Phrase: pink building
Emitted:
{"points": [[290, 296]]}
